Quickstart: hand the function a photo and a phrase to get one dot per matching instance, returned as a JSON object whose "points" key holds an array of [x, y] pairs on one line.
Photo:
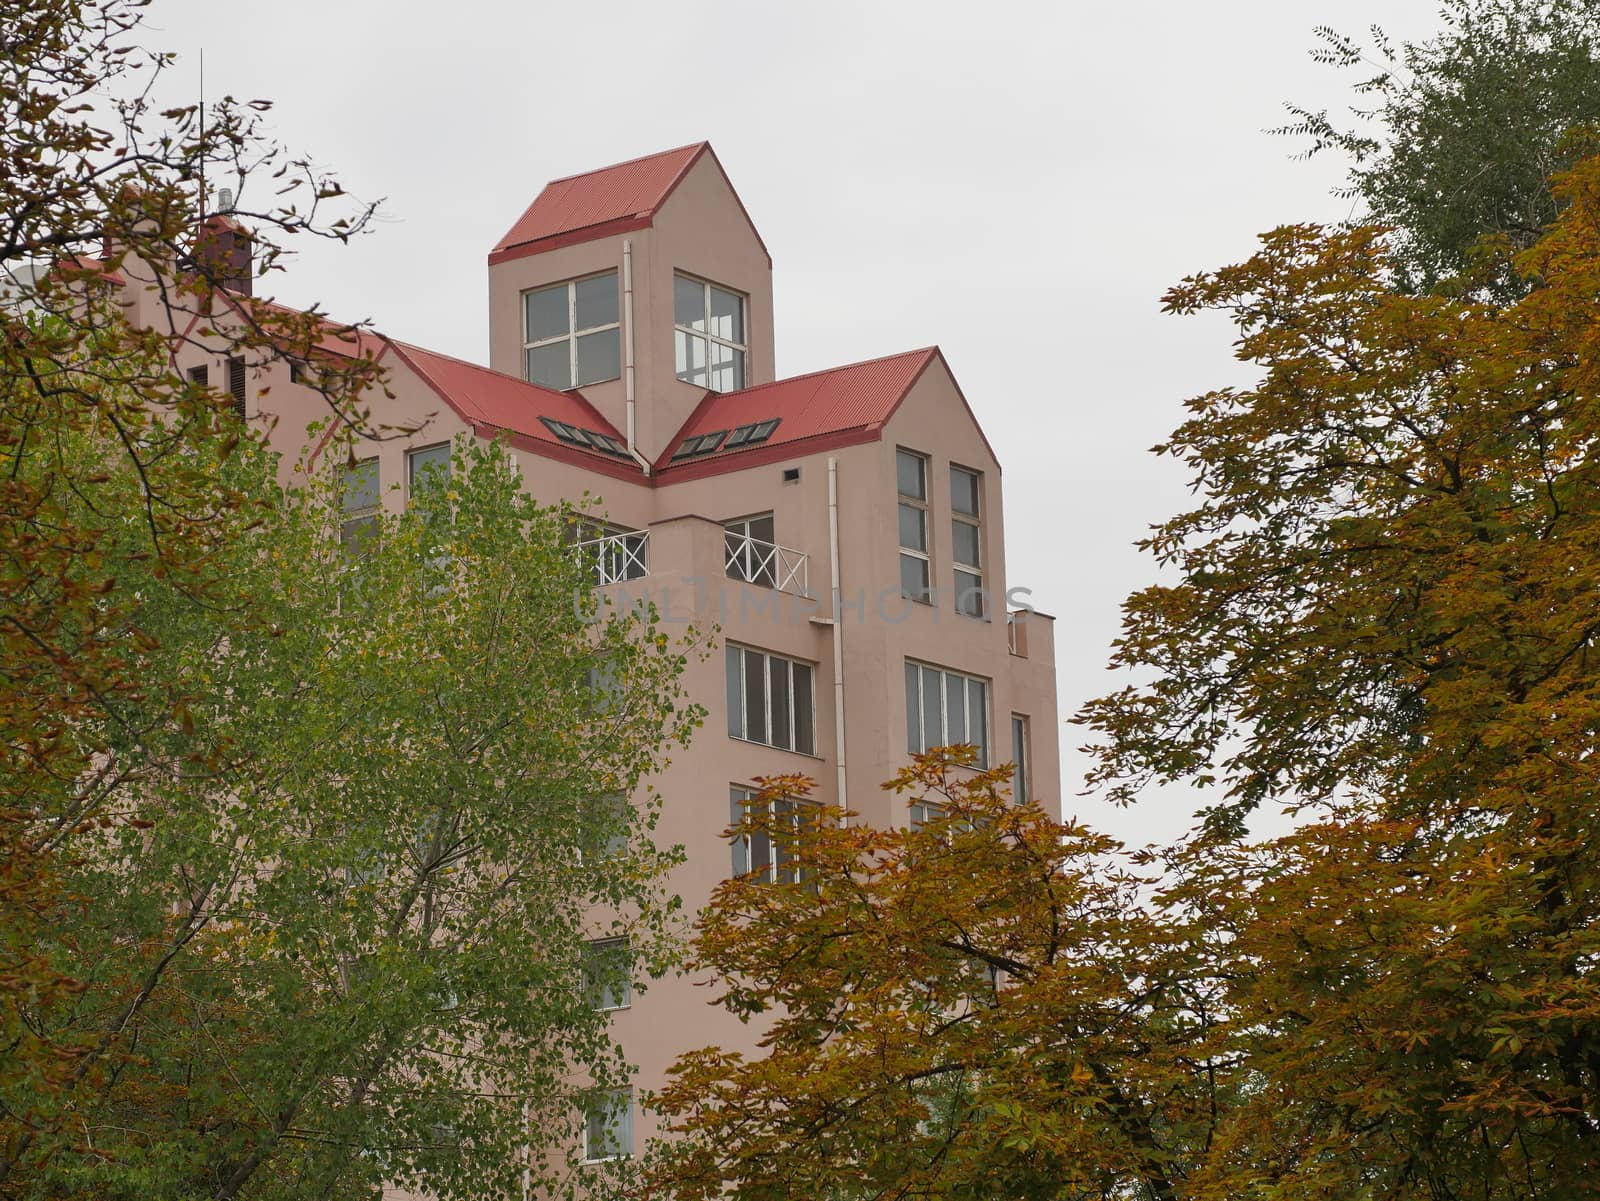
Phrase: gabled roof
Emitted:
{"points": [[842, 404], [491, 401], [609, 200], [624, 191]]}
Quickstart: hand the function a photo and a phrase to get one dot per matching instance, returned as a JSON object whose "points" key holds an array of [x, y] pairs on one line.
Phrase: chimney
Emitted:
{"points": [[223, 250]]}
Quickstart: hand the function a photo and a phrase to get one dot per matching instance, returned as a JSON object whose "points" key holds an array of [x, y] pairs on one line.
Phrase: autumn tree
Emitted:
{"points": [[95, 184], [1455, 138], [1382, 617], [979, 1006]]}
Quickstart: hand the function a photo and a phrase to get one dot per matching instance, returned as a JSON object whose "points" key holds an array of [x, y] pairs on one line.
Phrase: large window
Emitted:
{"points": [[708, 337], [766, 855], [751, 553], [966, 539], [358, 507], [911, 470], [945, 708], [608, 1124], [570, 333], [608, 974], [769, 700]]}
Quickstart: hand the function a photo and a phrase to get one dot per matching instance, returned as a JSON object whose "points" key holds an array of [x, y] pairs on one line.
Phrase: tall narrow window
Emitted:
{"points": [[966, 539], [708, 335], [766, 855], [358, 506], [608, 1124], [751, 552], [570, 333], [608, 974], [911, 472], [236, 385], [770, 700], [945, 708], [1019, 756]]}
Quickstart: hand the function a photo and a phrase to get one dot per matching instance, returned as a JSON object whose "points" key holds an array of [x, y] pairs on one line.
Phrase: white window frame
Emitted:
{"points": [[707, 336], [573, 332], [915, 671], [779, 866], [738, 727], [969, 596], [623, 1128], [600, 994], [919, 504], [748, 558]]}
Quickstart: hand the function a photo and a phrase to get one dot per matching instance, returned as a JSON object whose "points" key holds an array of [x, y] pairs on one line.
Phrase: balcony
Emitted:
{"points": [[766, 564], [613, 558]]}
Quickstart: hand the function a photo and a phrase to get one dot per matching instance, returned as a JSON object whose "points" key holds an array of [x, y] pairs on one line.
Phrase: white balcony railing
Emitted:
{"points": [[767, 564], [613, 558]]}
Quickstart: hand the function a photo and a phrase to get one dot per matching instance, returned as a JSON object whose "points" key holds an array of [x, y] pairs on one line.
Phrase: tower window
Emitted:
{"points": [[570, 333], [708, 334], [911, 472]]}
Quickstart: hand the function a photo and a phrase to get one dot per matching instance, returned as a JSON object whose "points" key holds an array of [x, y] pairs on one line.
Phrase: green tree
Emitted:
{"points": [[981, 1006], [1457, 137], [336, 908], [1382, 616]]}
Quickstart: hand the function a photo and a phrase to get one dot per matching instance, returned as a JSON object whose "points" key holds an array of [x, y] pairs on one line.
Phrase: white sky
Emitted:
{"points": [[1018, 183]]}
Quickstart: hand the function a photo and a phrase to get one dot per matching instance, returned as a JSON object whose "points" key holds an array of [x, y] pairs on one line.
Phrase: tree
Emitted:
{"points": [[1382, 617], [978, 1006], [336, 917], [1459, 135], [94, 184]]}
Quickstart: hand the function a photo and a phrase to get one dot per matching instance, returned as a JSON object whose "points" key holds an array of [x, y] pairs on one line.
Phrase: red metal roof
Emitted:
{"points": [[490, 398], [633, 189], [860, 397]]}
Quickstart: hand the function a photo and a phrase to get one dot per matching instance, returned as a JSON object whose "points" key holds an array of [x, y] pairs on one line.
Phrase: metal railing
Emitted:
{"points": [[767, 564], [613, 558]]}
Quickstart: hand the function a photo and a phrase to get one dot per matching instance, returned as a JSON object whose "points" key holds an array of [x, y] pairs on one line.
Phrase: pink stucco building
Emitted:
{"points": [[632, 356]]}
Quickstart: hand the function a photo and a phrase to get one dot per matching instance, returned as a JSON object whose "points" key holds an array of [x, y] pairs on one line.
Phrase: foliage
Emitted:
{"points": [[1457, 137], [91, 407], [335, 915], [981, 1006], [1383, 617]]}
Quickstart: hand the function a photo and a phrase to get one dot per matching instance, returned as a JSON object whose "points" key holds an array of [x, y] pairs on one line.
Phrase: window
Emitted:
{"points": [[200, 375], [966, 540], [769, 700], [358, 506], [945, 708], [607, 1124], [426, 469], [570, 333], [605, 832], [608, 974], [1019, 756], [613, 553], [757, 853], [923, 812], [751, 553], [709, 334], [236, 385], [911, 470]]}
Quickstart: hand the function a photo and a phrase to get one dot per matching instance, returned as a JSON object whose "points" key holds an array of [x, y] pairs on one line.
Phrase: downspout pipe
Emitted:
{"points": [[627, 349], [838, 627]]}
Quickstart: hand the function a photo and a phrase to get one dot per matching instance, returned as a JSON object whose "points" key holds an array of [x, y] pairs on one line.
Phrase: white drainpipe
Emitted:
{"points": [[627, 348], [838, 625]]}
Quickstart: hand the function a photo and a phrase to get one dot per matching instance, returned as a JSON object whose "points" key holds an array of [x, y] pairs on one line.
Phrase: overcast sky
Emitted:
{"points": [[1017, 183]]}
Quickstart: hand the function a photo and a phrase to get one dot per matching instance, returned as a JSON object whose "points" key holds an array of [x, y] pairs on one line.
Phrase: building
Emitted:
{"points": [[845, 528]]}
